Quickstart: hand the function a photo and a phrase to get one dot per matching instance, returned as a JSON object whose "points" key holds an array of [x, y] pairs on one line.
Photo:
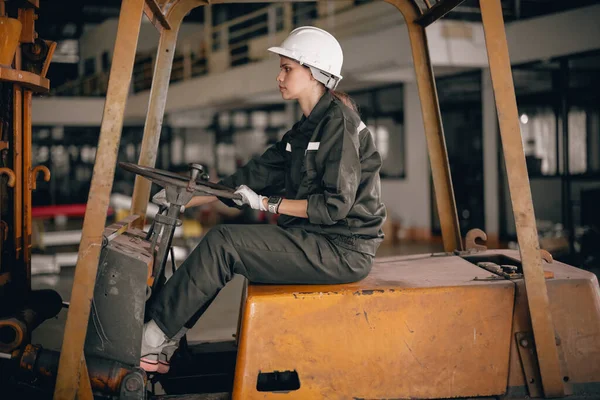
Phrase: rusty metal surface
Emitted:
{"points": [[95, 216], [414, 328], [158, 100], [432, 120], [520, 193], [471, 240], [28, 80]]}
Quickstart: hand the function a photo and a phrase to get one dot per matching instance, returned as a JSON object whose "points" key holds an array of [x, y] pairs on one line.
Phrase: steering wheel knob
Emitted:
{"points": [[197, 170]]}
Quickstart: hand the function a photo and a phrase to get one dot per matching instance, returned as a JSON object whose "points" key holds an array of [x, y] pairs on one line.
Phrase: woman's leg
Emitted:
{"points": [[263, 254]]}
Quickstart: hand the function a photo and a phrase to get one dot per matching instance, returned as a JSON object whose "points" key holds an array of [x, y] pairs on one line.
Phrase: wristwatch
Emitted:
{"points": [[273, 204]]}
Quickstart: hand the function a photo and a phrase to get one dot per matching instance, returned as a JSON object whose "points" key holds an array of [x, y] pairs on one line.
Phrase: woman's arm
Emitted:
{"points": [[294, 208], [339, 155], [264, 173], [200, 201]]}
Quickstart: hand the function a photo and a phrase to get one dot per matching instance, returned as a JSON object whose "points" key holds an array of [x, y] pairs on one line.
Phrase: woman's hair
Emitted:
{"points": [[344, 98]]}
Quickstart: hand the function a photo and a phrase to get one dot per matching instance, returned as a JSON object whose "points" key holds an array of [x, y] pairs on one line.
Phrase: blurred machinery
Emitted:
{"points": [[24, 62]]}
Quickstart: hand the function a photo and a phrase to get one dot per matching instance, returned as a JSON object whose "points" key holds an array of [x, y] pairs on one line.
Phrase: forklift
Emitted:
{"points": [[469, 322]]}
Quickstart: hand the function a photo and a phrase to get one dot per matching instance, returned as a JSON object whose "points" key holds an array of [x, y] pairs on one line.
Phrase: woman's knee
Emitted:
{"points": [[216, 235], [362, 267]]}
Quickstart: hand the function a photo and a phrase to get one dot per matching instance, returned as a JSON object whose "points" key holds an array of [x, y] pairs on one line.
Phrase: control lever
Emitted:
{"points": [[196, 170]]}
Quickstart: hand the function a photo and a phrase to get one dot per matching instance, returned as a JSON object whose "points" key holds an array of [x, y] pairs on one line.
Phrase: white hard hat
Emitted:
{"points": [[317, 49]]}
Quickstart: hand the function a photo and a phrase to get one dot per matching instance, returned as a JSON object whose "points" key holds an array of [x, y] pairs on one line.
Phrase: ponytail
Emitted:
{"points": [[344, 98]]}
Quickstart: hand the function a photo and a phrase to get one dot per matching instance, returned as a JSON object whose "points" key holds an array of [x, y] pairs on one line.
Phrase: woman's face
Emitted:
{"points": [[294, 80]]}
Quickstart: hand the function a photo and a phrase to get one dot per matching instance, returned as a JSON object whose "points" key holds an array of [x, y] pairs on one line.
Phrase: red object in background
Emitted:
{"points": [[264, 216], [68, 210]]}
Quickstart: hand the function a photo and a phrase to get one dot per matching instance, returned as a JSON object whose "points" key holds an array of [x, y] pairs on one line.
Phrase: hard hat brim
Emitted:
{"points": [[286, 53], [282, 52]]}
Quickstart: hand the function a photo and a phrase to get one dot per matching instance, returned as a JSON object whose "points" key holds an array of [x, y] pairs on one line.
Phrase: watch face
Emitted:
{"points": [[274, 199]]}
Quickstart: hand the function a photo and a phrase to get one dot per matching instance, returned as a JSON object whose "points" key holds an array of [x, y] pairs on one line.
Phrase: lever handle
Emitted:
{"points": [[35, 171], [11, 176]]}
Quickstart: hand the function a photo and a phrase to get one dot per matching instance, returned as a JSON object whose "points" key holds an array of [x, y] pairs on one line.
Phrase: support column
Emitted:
{"points": [[434, 133], [154, 118], [520, 196], [69, 367], [491, 178]]}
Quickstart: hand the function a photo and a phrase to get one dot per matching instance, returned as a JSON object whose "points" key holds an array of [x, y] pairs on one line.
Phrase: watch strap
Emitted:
{"points": [[273, 204]]}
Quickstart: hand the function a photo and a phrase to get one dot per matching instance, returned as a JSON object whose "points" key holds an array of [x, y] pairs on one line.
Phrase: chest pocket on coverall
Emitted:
{"points": [[309, 167]]}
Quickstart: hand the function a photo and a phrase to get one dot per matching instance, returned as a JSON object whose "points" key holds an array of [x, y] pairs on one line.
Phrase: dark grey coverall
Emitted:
{"points": [[328, 159]]}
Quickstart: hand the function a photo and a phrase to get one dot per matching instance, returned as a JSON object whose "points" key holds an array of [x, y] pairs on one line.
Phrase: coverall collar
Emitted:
{"points": [[308, 125]]}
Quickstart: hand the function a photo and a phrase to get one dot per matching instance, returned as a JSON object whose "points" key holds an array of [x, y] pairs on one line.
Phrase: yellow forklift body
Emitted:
{"points": [[575, 307], [417, 327], [424, 327]]}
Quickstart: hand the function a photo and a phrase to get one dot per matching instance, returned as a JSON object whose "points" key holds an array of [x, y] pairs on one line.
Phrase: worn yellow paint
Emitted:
{"points": [[420, 328], [575, 307], [10, 31]]}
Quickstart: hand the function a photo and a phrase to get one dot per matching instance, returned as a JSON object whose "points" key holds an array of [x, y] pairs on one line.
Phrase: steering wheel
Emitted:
{"points": [[198, 187]]}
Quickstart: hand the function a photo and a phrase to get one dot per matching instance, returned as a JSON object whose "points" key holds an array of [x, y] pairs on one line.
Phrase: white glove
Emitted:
{"points": [[160, 199], [255, 201]]}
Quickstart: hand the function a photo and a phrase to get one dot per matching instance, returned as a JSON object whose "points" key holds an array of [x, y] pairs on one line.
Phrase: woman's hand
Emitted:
{"points": [[255, 201], [160, 199]]}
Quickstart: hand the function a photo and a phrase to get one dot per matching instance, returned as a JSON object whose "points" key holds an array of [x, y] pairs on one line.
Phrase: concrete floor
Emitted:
{"points": [[219, 322]]}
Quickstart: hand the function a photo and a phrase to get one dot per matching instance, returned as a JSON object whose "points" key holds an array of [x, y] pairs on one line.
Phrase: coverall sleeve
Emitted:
{"points": [[264, 174], [341, 174]]}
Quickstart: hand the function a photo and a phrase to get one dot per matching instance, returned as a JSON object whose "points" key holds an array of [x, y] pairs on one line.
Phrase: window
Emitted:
{"points": [[105, 61], [382, 111], [538, 129], [89, 67]]}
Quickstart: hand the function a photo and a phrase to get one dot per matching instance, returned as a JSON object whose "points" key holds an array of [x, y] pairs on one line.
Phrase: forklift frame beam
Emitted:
{"points": [[70, 371], [70, 367]]}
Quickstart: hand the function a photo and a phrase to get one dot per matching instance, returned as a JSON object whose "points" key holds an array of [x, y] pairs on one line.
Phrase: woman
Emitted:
{"points": [[331, 215]]}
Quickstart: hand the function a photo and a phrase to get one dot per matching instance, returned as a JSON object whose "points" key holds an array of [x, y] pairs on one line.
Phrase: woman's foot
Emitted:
{"points": [[164, 358], [157, 349]]}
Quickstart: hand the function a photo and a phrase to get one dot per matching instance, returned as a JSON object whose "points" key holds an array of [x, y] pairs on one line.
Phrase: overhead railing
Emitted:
{"points": [[245, 39], [234, 42]]}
